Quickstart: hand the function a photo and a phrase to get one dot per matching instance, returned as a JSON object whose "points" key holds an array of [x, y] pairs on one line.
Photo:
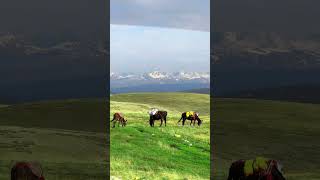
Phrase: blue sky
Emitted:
{"points": [[143, 49], [187, 14]]}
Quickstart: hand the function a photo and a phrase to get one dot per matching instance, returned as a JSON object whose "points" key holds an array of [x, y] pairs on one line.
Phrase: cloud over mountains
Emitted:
{"points": [[187, 14]]}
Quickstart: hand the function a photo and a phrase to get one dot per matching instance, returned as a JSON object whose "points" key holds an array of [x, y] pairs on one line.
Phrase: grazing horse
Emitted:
{"points": [[192, 116], [272, 171], [120, 118], [159, 115], [27, 170]]}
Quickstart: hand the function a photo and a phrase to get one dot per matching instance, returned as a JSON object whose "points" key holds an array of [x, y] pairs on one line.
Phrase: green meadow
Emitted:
{"points": [[139, 151], [285, 131], [67, 137]]}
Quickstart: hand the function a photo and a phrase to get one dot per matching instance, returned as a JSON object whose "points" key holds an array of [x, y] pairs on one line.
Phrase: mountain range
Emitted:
{"points": [[162, 76], [158, 81], [242, 61], [38, 69]]}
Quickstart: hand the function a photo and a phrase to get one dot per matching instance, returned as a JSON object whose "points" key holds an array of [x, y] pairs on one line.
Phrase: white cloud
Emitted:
{"points": [[189, 14]]}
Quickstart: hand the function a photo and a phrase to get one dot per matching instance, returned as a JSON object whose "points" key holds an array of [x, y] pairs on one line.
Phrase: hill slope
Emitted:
{"points": [[298, 93], [281, 130], [67, 137], [171, 152]]}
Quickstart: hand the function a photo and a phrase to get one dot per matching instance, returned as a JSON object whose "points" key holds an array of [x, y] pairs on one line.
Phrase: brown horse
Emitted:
{"points": [[27, 170], [159, 115], [273, 172], [192, 118], [118, 117]]}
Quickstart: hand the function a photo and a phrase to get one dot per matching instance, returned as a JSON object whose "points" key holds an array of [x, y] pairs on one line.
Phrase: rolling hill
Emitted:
{"points": [[307, 93], [199, 90], [286, 131], [172, 152], [68, 137]]}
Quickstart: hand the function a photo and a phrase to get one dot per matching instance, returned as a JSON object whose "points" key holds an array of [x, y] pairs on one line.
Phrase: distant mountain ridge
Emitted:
{"points": [[157, 75], [34, 70], [157, 81], [199, 91], [259, 60], [266, 50]]}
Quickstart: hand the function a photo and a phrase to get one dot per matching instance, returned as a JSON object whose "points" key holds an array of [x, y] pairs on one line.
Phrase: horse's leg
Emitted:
{"points": [[232, 173], [194, 121], [161, 122], [114, 124], [230, 176], [165, 121], [180, 120], [150, 121]]}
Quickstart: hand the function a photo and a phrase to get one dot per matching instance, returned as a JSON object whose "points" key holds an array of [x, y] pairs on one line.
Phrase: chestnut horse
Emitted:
{"points": [[27, 170], [118, 117]]}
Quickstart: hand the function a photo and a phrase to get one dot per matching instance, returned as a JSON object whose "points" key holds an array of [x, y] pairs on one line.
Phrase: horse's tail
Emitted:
{"points": [[114, 117]]}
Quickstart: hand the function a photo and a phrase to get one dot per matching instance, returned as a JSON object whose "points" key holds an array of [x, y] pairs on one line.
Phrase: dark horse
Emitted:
{"points": [[193, 118], [26, 170], [159, 115], [273, 172], [120, 118]]}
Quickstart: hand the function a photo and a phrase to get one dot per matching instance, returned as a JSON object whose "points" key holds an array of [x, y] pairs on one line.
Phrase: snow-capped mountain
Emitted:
{"points": [[157, 81], [162, 76], [157, 75]]}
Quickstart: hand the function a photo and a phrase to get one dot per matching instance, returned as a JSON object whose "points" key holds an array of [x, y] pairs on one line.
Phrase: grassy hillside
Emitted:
{"points": [[285, 131], [173, 152], [67, 137], [62, 114]]}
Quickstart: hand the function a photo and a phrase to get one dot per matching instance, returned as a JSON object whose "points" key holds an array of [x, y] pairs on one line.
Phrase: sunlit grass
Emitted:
{"points": [[139, 151]]}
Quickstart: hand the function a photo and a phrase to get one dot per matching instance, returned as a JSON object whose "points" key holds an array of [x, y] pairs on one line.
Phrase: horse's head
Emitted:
{"points": [[199, 121], [125, 122]]}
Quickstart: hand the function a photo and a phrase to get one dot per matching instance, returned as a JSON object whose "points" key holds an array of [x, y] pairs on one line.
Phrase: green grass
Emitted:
{"points": [[173, 152], [285, 131], [67, 137]]}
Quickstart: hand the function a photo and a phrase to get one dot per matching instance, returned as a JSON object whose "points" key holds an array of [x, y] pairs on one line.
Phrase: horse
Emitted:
{"points": [[159, 115], [120, 118], [272, 172], [193, 117], [27, 170]]}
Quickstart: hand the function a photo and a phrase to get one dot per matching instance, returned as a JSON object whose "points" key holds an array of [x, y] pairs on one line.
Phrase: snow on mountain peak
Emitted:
{"points": [[157, 75]]}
